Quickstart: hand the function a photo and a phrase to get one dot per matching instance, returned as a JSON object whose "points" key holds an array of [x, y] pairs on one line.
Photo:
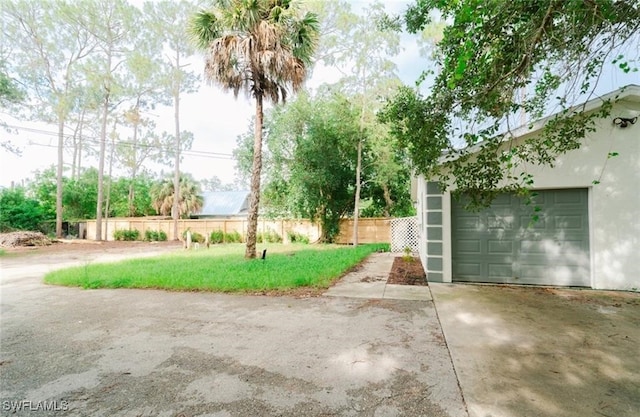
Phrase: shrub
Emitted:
{"points": [[217, 236], [269, 236], [128, 235], [195, 236], [155, 236], [19, 212], [233, 237], [295, 237]]}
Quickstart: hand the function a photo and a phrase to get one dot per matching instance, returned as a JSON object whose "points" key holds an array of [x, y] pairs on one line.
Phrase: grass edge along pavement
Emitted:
{"points": [[222, 269]]}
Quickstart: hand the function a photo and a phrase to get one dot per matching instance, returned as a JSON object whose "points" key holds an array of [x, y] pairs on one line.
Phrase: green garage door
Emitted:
{"points": [[502, 244]]}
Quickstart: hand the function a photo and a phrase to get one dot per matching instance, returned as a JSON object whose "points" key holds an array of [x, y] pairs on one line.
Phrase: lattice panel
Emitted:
{"points": [[405, 233]]}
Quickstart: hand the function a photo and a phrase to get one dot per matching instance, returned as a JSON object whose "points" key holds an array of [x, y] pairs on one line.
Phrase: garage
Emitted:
{"points": [[545, 242]]}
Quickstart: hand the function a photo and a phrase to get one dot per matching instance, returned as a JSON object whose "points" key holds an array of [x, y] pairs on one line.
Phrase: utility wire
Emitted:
{"points": [[94, 140]]}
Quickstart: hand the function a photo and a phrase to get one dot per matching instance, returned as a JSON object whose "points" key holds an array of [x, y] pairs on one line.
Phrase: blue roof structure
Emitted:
{"points": [[224, 204]]}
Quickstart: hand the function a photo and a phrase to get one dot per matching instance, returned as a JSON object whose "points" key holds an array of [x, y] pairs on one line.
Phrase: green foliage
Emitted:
{"points": [[269, 236], [79, 196], [162, 195], [217, 236], [233, 237], [9, 93], [19, 211], [498, 60], [222, 269], [195, 236], [155, 235], [295, 237], [126, 235]]}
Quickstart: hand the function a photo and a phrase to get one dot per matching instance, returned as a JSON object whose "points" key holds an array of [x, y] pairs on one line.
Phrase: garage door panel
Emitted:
{"points": [[500, 246], [469, 269], [469, 247], [506, 244], [471, 223], [500, 270]]}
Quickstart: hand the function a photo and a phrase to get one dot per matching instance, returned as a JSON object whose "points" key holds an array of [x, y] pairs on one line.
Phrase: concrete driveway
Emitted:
{"points": [[77, 352], [517, 351], [539, 352]]}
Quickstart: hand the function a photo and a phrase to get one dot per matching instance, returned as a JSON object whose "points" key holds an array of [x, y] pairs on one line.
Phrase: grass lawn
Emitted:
{"points": [[222, 268]]}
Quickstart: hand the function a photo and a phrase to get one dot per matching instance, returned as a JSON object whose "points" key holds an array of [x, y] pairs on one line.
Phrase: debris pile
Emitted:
{"points": [[14, 239]]}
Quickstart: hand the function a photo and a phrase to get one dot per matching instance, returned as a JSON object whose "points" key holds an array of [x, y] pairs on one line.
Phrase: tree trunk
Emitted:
{"points": [[59, 177], [388, 202], [356, 205], [103, 139], [175, 211], [134, 170], [106, 208], [254, 199]]}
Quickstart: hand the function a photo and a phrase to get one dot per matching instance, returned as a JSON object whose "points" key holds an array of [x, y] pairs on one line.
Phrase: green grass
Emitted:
{"points": [[222, 268], [3, 252]]}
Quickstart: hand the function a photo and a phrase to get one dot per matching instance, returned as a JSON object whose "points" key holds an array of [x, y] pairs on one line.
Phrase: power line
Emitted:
{"points": [[185, 153], [94, 140]]}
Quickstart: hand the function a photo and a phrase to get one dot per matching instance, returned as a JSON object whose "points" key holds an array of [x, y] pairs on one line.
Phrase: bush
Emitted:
{"points": [[269, 236], [295, 237], [19, 212], [128, 235], [155, 236], [217, 236], [195, 236], [233, 237]]}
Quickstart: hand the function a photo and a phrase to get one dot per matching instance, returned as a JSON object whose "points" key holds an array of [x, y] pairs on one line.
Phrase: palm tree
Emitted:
{"points": [[162, 196], [262, 47]]}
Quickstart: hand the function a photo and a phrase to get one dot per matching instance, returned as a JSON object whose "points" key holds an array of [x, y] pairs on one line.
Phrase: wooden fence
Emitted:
{"points": [[370, 230]]}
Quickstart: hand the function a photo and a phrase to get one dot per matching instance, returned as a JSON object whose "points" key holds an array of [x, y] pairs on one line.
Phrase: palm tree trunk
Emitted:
{"points": [[254, 199]]}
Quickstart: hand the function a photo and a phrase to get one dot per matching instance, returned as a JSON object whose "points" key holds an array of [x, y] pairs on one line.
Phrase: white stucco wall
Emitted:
{"points": [[614, 203]]}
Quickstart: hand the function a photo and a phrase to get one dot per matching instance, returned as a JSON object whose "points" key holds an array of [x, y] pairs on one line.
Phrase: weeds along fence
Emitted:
{"points": [[371, 230]]}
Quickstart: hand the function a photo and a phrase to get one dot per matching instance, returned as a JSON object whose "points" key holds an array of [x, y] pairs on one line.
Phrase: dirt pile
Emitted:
{"points": [[15, 239]]}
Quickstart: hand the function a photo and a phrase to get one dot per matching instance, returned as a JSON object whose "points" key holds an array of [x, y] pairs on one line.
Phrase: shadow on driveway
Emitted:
{"points": [[541, 352]]}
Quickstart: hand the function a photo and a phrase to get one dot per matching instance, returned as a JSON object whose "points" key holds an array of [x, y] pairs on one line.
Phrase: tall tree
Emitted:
{"points": [[48, 47], [163, 195], [262, 47], [362, 48], [115, 25], [310, 159], [500, 60], [169, 20]]}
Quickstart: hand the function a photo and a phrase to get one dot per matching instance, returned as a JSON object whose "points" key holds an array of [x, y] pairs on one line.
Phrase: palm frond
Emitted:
{"points": [[204, 28]]}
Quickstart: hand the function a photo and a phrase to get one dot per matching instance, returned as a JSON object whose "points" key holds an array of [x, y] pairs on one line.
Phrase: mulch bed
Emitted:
{"points": [[407, 271]]}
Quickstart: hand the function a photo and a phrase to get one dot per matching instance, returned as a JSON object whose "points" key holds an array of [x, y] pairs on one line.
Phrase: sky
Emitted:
{"points": [[215, 118]]}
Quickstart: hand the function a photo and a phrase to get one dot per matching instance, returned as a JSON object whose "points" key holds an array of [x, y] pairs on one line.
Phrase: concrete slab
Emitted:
{"points": [[541, 352], [158, 353], [370, 281], [407, 292]]}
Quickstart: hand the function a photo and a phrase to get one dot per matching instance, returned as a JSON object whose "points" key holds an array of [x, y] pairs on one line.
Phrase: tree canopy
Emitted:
{"points": [[502, 63], [264, 48]]}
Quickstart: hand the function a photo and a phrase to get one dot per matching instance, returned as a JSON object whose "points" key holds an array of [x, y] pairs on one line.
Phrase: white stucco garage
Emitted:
{"points": [[588, 233]]}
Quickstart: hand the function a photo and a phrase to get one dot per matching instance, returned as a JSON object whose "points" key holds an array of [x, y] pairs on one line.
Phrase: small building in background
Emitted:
{"points": [[224, 205]]}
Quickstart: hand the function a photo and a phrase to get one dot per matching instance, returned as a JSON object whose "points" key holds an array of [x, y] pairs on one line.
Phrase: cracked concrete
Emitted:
{"points": [[157, 353]]}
